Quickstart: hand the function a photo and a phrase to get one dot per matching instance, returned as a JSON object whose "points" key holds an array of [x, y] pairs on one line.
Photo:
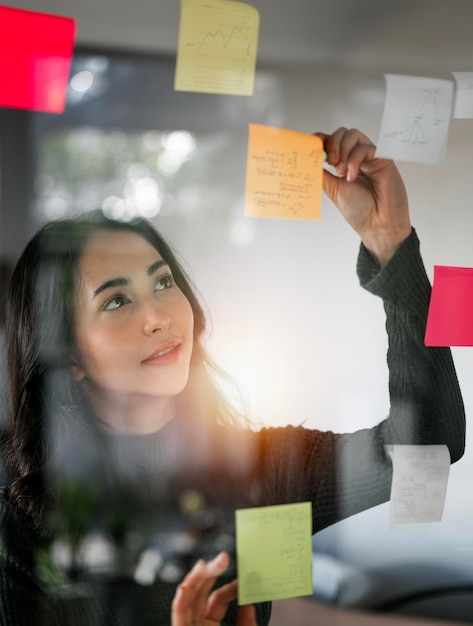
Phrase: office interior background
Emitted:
{"points": [[288, 318]]}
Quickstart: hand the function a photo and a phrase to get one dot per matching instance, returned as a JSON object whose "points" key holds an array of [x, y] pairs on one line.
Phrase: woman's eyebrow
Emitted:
{"points": [[114, 282], [154, 267], [122, 281]]}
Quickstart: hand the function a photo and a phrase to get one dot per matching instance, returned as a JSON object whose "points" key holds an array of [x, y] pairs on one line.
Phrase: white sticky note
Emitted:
{"points": [[419, 485], [274, 552], [416, 118], [463, 106]]}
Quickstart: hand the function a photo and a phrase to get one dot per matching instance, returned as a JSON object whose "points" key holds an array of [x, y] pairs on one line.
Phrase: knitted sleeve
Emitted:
{"points": [[344, 474], [22, 601]]}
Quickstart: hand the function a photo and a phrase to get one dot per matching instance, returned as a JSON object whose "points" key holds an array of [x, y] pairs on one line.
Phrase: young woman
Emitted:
{"points": [[116, 418]]}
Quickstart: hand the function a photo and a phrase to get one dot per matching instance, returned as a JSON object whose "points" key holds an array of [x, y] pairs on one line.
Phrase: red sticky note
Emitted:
{"points": [[35, 59], [450, 318]]}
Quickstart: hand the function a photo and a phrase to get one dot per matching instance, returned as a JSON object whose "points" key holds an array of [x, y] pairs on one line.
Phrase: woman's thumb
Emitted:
{"points": [[331, 186]]}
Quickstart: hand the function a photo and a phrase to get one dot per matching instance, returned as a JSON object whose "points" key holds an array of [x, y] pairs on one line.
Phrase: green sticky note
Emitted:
{"points": [[274, 552]]}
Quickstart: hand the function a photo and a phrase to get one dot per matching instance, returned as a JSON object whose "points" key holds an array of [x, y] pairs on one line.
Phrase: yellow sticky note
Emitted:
{"points": [[217, 46], [283, 174], [274, 552]]}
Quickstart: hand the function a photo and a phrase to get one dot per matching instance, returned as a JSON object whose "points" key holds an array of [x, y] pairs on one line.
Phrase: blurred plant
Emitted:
{"points": [[83, 512], [73, 518]]}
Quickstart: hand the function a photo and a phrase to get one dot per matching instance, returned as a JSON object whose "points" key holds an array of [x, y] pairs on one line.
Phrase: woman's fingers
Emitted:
{"points": [[190, 601], [194, 603], [219, 601], [205, 580], [347, 150], [355, 149]]}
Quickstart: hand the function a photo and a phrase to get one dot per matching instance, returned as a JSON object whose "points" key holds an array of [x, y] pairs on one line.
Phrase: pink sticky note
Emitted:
{"points": [[35, 59], [450, 318]]}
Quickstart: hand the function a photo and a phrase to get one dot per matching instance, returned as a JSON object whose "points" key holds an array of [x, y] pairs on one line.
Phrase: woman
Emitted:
{"points": [[113, 407]]}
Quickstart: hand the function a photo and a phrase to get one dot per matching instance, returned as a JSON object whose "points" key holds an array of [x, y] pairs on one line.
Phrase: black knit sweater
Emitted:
{"points": [[341, 474]]}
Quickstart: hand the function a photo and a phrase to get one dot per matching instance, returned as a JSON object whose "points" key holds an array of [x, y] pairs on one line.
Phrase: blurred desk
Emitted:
{"points": [[304, 612]]}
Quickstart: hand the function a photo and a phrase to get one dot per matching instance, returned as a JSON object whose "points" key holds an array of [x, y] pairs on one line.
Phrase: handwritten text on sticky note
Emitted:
{"points": [[217, 47], [419, 485], [35, 59], [450, 318], [274, 552], [283, 174]]}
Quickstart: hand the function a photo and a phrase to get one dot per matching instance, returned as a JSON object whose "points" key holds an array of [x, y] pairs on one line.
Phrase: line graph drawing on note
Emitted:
{"points": [[225, 42], [217, 32], [212, 36]]}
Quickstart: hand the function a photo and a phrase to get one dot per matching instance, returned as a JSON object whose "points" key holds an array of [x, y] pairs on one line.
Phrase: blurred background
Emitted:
{"points": [[288, 318]]}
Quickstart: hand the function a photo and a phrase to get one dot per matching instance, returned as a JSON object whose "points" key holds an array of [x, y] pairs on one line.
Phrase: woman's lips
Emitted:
{"points": [[164, 355]]}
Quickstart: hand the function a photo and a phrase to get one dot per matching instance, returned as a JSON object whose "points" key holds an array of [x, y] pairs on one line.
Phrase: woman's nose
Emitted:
{"points": [[156, 318]]}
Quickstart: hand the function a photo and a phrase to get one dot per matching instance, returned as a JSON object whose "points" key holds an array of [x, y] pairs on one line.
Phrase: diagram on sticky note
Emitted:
{"points": [[217, 47], [416, 119], [419, 485]]}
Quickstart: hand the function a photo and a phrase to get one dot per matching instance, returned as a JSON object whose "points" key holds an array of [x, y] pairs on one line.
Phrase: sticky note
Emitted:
{"points": [[463, 103], [416, 118], [217, 47], [419, 485], [35, 59], [283, 174], [274, 552], [450, 317]]}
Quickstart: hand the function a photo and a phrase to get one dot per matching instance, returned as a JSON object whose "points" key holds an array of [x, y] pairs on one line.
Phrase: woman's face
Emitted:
{"points": [[133, 326]]}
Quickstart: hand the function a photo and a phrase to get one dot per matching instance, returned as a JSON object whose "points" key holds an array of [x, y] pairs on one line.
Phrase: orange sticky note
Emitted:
{"points": [[283, 174], [35, 59], [450, 318]]}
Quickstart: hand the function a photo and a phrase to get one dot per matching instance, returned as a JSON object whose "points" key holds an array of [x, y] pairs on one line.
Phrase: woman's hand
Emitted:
{"points": [[195, 604], [369, 192]]}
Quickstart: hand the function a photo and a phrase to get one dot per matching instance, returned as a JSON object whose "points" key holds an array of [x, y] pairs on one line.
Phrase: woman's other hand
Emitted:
{"points": [[195, 604], [369, 192]]}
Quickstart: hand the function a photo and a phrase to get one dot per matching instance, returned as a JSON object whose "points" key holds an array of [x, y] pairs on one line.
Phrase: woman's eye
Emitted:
{"points": [[164, 282], [114, 303]]}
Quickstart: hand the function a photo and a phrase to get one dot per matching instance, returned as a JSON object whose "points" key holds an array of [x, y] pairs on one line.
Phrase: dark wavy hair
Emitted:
{"points": [[43, 397]]}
